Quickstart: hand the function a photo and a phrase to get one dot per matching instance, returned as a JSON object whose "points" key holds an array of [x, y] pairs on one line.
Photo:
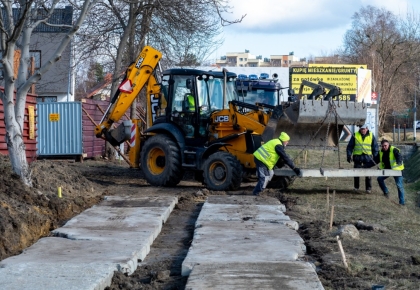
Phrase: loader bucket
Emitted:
{"points": [[314, 123]]}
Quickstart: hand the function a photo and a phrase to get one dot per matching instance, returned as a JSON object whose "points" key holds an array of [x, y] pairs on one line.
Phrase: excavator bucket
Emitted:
{"points": [[314, 123], [316, 120]]}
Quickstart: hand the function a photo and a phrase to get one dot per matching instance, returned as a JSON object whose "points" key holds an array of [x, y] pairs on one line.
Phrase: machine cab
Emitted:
{"points": [[192, 95], [262, 91]]}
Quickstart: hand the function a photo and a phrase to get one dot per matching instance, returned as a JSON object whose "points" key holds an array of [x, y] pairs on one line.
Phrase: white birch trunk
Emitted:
{"points": [[14, 139], [19, 36]]}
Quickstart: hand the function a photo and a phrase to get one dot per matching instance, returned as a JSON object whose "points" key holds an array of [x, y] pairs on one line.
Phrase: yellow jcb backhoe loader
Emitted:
{"points": [[195, 122]]}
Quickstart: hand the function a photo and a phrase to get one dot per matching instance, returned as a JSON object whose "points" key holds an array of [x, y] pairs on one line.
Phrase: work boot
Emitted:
{"points": [[386, 194]]}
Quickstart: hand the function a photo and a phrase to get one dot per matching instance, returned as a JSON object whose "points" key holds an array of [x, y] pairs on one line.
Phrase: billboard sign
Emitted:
{"points": [[344, 76], [356, 66]]}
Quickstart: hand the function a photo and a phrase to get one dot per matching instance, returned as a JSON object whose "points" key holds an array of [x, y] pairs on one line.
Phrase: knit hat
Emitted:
{"points": [[366, 126], [284, 137]]}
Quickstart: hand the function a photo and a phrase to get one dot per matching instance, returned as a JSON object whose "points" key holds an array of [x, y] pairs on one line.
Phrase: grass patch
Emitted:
{"points": [[407, 139], [382, 257]]}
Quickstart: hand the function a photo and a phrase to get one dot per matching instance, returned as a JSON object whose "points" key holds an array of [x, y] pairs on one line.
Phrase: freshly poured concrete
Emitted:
{"points": [[111, 236], [246, 242]]}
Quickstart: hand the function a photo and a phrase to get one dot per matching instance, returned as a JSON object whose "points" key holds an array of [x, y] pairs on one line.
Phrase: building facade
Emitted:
{"points": [[56, 85], [246, 59]]}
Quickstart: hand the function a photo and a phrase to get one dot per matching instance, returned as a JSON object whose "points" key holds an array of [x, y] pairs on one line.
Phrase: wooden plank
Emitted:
{"points": [[29, 146]]}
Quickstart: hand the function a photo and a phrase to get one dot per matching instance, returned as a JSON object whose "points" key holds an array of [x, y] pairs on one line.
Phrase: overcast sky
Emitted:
{"points": [[306, 27]]}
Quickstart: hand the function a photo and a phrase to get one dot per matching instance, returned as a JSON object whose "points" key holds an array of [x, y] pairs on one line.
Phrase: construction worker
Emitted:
{"points": [[391, 158], [190, 102], [267, 156], [189, 97], [364, 149]]}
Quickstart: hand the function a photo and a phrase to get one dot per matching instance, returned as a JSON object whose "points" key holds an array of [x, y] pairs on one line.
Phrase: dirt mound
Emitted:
{"points": [[27, 214], [390, 258]]}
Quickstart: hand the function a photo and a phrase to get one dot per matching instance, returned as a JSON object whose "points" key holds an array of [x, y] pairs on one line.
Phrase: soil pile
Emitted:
{"points": [[27, 214]]}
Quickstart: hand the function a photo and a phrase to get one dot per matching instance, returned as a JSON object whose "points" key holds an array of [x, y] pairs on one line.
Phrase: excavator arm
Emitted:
{"points": [[138, 74], [334, 91], [317, 90]]}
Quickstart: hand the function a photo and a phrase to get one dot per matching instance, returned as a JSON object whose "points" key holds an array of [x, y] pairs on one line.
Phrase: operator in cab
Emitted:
{"points": [[267, 156], [189, 98]]}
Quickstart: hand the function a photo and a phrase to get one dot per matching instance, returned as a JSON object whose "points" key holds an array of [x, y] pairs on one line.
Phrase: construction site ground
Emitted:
{"points": [[386, 252]]}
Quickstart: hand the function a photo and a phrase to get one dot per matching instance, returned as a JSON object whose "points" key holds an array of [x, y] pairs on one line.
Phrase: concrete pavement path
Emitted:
{"points": [[84, 254], [240, 242], [247, 242]]}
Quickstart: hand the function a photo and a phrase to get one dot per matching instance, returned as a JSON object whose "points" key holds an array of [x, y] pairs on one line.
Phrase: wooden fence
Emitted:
{"points": [[29, 128]]}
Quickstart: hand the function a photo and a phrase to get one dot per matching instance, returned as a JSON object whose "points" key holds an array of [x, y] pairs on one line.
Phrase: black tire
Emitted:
{"points": [[222, 171], [280, 182], [161, 161]]}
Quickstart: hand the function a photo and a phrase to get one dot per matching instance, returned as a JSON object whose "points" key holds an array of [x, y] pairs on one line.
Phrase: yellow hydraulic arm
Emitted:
{"points": [[138, 73]]}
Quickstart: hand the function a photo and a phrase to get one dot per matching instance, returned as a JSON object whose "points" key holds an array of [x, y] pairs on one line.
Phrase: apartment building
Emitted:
{"points": [[57, 84], [246, 59]]}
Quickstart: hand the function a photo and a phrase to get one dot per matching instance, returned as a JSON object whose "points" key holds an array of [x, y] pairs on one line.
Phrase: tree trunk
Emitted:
{"points": [[17, 153], [14, 121]]}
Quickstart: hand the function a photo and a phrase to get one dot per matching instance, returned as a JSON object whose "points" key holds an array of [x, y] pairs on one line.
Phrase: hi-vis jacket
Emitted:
{"points": [[267, 153], [392, 159], [362, 146], [191, 103]]}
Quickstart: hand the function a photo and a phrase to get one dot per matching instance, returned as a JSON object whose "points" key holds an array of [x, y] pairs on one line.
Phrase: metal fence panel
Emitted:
{"points": [[59, 129]]}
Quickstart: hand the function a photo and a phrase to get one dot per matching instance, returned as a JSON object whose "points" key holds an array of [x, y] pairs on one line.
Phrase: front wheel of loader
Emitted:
{"points": [[161, 161], [280, 182], [222, 171]]}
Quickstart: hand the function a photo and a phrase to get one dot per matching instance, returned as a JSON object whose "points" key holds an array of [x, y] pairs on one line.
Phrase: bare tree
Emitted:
{"points": [[92, 75], [181, 29], [17, 23], [390, 45]]}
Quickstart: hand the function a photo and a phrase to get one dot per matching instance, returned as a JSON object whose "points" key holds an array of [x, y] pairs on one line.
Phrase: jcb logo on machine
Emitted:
{"points": [[221, 119], [154, 105], [138, 64]]}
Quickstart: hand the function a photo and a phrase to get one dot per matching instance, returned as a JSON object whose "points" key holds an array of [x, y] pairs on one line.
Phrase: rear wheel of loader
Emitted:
{"points": [[280, 182], [222, 171], [161, 161]]}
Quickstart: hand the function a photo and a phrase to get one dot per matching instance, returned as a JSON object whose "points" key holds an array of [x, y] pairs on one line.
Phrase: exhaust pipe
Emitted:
{"points": [[225, 71]]}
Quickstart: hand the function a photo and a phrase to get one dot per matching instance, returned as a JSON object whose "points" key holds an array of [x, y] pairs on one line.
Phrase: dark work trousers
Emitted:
{"points": [[263, 175], [368, 180]]}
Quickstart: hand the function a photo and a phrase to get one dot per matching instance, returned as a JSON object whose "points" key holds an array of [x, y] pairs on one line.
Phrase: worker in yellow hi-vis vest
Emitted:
{"points": [[267, 156], [364, 148], [391, 158]]}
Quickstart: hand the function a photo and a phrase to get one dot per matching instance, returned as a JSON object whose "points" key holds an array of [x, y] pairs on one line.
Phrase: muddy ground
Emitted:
{"points": [[387, 251]]}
